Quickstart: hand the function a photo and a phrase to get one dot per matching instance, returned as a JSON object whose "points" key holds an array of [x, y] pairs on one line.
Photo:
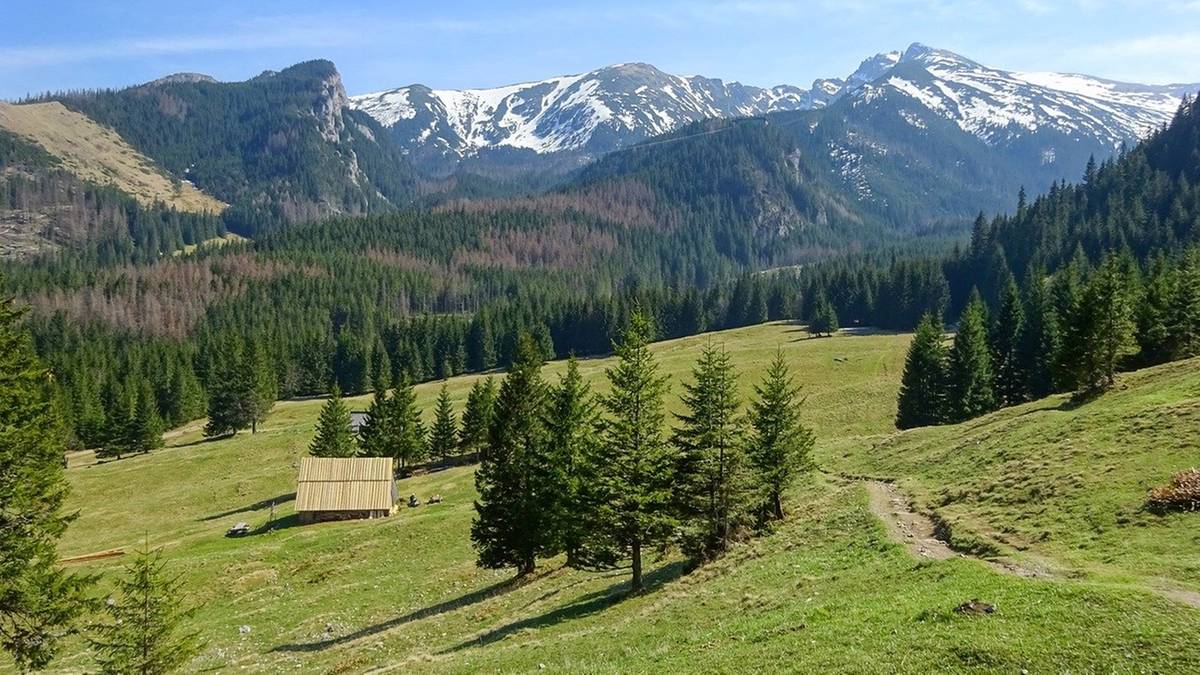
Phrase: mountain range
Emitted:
{"points": [[584, 116]]}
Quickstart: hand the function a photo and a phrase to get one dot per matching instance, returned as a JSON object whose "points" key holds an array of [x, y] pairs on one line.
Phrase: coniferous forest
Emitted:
{"points": [[336, 269]]}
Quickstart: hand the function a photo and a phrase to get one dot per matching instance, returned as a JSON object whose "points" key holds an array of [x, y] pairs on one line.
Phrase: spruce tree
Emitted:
{"points": [[1039, 339], [1005, 340], [711, 496], [572, 421], [333, 437], [513, 520], [145, 427], [376, 434], [1154, 312], [1184, 329], [632, 489], [924, 384], [780, 445], [146, 632], [477, 417], [443, 436], [406, 436], [1067, 298], [39, 601], [824, 318], [259, 385], [972, 382], [1105, 326], [230, 397]]}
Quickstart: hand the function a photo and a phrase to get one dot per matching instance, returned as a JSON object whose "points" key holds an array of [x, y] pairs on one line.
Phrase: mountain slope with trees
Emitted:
{"points": [[281, 147]]}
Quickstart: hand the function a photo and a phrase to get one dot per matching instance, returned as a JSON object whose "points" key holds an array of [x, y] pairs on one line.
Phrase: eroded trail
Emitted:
{"points": [[917, 534], [913, 530]]}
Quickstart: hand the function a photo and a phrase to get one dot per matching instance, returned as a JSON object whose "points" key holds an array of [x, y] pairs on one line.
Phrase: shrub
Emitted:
{"points": [[1183, 494]]}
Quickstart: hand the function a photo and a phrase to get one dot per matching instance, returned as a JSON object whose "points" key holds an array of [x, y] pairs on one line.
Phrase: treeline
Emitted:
{"points": [[1072, 331]]}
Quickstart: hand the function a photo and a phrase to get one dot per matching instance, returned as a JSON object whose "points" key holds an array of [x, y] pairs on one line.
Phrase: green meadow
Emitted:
{"points": [[1049, 483]]}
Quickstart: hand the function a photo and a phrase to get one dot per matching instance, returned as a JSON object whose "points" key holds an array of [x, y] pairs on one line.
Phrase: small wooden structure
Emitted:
{"points": [[345, 488], [357, 419]]}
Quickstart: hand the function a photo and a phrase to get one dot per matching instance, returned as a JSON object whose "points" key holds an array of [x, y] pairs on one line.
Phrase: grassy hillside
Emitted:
{"points": [[827, 590], [1062, 482], [98, 154]]}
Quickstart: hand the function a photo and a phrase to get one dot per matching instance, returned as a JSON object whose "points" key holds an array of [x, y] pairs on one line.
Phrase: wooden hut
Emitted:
{"points": [[344, 488]]}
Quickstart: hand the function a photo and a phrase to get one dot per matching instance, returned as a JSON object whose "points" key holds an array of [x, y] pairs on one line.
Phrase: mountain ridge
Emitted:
{"points": [[592, 113]]}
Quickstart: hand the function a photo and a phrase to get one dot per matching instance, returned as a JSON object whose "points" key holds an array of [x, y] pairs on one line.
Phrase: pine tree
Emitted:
{"points": [[572, 421], [443, 436], [514, 524], [477, 417], [376, 434], [780, 445], [118, 413], [407, 433], [1154, 312], [230, 397], [632, 489], [333, 437], [1005, 339], [972, 383], [145, 427], [1105, 326], [923, 387], [1039, 340], [1067, 298], [39, 601], [1184, 329], [712, 501], [145, 633], [824, 318], [258, 384]]}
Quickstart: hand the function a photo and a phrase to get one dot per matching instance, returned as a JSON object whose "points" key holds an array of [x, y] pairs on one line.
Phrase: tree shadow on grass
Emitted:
{"points": [[581, 607], [424, 613], [256, 506]]}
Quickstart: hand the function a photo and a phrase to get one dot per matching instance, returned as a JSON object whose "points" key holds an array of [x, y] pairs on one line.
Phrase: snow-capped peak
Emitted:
{"points": [[608, 108]]}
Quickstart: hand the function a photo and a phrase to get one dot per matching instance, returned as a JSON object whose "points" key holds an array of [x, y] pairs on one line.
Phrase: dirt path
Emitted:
{"points": [[915, 532], [911, 529]]}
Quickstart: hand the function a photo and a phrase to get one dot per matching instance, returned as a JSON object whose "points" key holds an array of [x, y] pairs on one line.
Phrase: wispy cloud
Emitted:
{"points": [[246, 36]]}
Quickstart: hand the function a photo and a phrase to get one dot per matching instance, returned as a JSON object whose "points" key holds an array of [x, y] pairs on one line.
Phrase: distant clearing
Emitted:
{"points": [[98, 154]]}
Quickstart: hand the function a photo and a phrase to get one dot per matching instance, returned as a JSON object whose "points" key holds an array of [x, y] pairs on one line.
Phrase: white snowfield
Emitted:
{"points": [[618, 105]]}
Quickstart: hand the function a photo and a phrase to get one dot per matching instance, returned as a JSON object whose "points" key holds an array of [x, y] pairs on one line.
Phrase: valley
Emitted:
{"points": [[614, 371], [828, 588]]}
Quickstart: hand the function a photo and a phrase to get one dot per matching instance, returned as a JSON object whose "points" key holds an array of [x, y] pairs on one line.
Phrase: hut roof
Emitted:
{"points": [[345, 484]]}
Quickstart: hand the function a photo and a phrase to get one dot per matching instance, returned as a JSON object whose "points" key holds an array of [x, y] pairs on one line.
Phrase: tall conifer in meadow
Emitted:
{"points": [[925, 382], [40, 603], [1005, 339], [405, 433], [632, 487], [712, 490], [477, 416], [972, 381], [1104, 327], [1183, 330], [443, 436], [514, 519], [376, 434], [1040, 340], [780, 445], [572, 421], [333, 437], [145, 630]]}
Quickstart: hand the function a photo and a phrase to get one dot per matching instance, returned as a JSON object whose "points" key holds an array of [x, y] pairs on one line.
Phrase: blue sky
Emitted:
{"points": [[50, 45]]}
